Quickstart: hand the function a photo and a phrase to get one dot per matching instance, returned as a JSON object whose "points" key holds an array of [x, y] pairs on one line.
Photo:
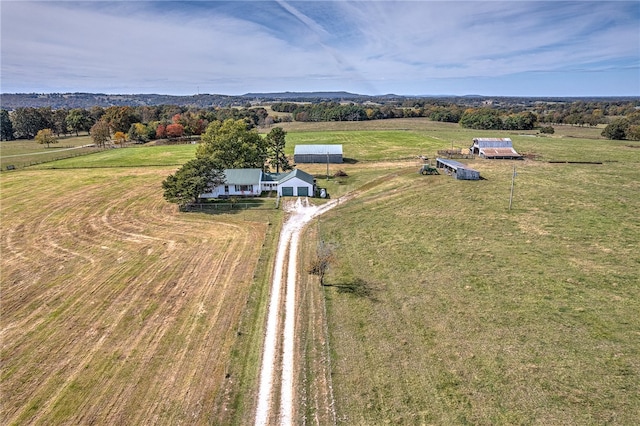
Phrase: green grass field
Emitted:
{"points": [[446, 307], [135, 156], [24, 153]]}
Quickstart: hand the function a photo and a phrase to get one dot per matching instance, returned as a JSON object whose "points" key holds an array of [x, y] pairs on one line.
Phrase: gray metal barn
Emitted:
{"points": [[494, 148], [317, 154], [457, 169]]}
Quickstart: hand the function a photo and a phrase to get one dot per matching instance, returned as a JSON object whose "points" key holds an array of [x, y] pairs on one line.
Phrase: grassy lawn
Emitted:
{"points": [[135, 156], [379, 141], [447, 308], [23, 153]]}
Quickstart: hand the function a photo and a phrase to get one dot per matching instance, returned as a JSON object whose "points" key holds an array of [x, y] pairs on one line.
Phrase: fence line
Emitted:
{"points": [[229, 206], [24, 165]]}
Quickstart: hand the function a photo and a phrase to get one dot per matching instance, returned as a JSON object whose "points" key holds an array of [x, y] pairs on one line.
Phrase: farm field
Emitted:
{"points": [[443, 307], [116, 308], [135, 156], [23, 153]]}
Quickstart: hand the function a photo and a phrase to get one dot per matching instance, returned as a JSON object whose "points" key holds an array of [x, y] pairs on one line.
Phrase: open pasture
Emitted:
{"points": [[133, 156], [22, 153], [384, 140], [444, 307], [117, 309]]}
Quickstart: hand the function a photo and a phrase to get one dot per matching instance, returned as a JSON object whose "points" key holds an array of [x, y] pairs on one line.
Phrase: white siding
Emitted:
{"points": [[296, 183]]}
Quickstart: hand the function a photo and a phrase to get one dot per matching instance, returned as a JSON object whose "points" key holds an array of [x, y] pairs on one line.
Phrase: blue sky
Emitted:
{"points": [[494, 48]]}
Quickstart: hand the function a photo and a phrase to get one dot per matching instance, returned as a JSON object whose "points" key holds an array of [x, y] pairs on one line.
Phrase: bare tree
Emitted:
{"points": [[325, 257]]}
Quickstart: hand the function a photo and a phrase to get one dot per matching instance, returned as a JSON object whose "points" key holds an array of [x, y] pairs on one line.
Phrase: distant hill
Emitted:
{"points": [[12, 101], [290, 96], [306, 95], [87, 100]]}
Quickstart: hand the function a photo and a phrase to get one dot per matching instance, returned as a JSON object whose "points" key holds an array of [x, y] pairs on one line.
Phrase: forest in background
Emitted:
{"points": [[146, 117]]}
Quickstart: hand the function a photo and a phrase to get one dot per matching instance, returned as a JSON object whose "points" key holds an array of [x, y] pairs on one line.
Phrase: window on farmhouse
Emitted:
{"points": [[240, 188]]}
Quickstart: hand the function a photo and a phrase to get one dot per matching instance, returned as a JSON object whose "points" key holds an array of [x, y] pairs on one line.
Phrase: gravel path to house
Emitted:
{"points": [[300, 213]]}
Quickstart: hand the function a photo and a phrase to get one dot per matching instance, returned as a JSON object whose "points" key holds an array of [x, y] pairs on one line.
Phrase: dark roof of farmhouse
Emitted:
{"points": [[318, 149]]}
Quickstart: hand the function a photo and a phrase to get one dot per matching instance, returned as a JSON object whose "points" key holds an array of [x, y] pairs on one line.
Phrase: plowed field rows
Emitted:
{"points": [[116, 309]]}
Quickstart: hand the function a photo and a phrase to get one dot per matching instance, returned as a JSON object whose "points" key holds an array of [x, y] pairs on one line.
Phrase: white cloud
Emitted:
{"points": [[371, 47]]}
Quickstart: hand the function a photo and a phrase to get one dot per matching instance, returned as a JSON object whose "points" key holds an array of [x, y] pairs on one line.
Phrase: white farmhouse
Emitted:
{"points": [[253, 182], [238, 183]]}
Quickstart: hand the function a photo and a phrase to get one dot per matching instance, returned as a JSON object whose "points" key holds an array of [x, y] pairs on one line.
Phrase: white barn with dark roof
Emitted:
{"points": [[494, 148], [317, 154]]}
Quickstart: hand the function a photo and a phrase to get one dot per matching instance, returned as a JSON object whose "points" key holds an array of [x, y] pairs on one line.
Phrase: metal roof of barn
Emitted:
{"points": [[499, 152], [454, 164], [493, 142], [318, 149], [243, 176]]}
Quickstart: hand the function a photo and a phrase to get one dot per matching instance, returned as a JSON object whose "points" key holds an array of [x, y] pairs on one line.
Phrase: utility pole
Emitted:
{"points": [[513, 180], [327, 165]]}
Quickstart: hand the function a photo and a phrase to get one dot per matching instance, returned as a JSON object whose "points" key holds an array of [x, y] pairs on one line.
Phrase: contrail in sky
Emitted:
{"points": [[320, 33]]}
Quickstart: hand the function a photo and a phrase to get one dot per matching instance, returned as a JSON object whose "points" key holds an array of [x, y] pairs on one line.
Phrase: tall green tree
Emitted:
{"points": [[481, 118], [6, 127], [276, 141], [96, 112], [522, 121], [79, 120], [194, 178], [139, 132], [233, 145], [45, 136], [617, 129], [60, 125], [100, 133], [27, 121], [121, 118]]}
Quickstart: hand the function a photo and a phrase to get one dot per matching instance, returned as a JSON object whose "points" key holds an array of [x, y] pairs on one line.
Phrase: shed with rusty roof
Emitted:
{"points": [[494, 148]]}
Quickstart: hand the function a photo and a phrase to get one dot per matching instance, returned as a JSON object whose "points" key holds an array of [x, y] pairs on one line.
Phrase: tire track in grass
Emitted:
{"points": [[141, 336], [300, 214]]}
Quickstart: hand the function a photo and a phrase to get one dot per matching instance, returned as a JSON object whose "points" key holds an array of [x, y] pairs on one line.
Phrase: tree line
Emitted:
{"points": [[144, 123], [139, 124], [484, 116]]}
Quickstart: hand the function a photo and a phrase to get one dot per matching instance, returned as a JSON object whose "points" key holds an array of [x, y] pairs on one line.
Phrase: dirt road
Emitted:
{"points": [[283, 332]]}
